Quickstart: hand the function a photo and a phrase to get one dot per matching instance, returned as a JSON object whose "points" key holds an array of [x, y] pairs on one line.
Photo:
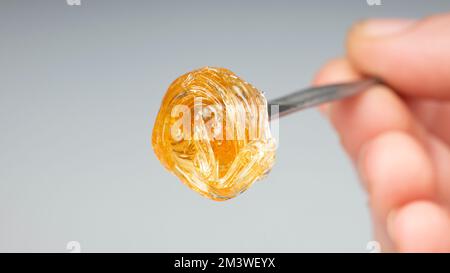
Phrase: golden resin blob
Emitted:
{"points": [[212, 132]]}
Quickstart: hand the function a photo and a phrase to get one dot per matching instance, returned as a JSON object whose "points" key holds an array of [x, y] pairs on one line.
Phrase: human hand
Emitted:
{"points": [[398, 135]]}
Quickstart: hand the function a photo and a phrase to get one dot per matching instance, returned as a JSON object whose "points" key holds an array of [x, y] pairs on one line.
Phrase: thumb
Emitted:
{"points": [[413, 57]]}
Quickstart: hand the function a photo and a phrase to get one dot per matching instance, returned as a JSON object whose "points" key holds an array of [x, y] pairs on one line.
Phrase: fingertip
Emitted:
{"points": [[337, 70], [397, 170], [366, 43], [420, 226], [411, 56], [324, 109]]}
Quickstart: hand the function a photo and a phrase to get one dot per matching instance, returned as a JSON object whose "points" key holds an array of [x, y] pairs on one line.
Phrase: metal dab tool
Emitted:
{"points": [[315, 96]]}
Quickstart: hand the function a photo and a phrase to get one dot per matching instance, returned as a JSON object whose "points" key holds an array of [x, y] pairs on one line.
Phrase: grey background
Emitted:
{"points": [[79, 91]]}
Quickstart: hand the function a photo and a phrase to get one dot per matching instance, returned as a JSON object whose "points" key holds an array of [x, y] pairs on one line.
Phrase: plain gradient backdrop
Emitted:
{"points": [[80, 87]]}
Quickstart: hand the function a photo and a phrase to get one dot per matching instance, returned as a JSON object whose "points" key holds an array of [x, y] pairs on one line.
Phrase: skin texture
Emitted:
{"points": [[398, 134]]}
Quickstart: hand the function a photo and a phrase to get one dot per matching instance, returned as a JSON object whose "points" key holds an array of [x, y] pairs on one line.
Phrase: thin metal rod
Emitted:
{"points": [[315, 96]]}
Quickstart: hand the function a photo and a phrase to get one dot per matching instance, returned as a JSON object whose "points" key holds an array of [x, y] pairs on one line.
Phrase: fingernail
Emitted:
{"points": [[390, 222], [383, 27]]}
